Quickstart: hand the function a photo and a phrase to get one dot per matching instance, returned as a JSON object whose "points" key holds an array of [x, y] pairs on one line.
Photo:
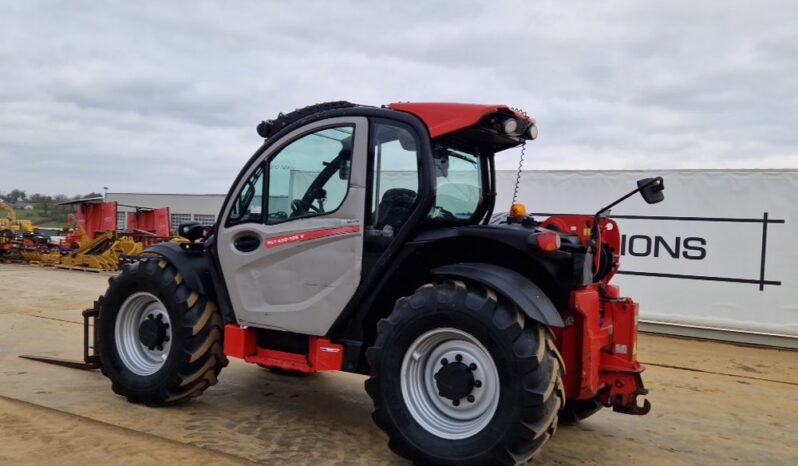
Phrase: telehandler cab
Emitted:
{"points": [[360, 239]]}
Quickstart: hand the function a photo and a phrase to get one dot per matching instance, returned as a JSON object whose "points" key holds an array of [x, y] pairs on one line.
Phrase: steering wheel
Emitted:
{"points": [[439, 213], [300, 207], [278, 216]]}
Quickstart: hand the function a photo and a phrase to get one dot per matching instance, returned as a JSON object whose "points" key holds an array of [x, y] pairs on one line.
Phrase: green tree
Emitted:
{"points": [[17, 195]]}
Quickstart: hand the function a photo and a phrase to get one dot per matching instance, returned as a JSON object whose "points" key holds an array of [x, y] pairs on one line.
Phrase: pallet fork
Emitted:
{"points": [[91, 360]]}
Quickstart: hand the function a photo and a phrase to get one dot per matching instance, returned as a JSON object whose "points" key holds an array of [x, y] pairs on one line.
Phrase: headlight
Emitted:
{"points": [[510, 126], [532, 132]]}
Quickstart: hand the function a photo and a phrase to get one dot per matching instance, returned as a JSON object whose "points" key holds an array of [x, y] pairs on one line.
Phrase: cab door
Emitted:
{"points": [[290, 241]]}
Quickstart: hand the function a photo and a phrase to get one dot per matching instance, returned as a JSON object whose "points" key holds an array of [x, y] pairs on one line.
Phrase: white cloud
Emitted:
{"points": [[161, 96]]}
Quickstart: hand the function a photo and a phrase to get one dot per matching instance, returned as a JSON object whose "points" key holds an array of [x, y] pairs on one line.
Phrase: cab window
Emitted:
{"points": [[248, 206], [458, 180], [310, 176], [393, 162]]}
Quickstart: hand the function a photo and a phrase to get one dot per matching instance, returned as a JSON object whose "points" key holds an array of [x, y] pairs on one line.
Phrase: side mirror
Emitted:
{"points": [[442, 167], [440, 158], [651, 189], [191, 231]]}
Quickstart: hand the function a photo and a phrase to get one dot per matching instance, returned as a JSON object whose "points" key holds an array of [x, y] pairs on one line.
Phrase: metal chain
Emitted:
{"points": [[518, 175], [520, 161]]}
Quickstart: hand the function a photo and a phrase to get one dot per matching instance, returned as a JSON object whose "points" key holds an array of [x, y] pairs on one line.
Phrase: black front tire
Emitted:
{"points": [[529, 371], [196, 354]]}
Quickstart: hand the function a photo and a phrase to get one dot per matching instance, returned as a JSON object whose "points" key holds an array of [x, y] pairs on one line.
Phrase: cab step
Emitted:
{"points": [[243, 343]]}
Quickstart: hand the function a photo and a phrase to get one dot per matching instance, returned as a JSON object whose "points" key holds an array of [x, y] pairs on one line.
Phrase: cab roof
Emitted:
{"points": [[443, 118]]}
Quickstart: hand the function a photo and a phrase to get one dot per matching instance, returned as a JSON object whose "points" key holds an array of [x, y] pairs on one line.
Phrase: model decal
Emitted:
{"points": [[282, 240]]}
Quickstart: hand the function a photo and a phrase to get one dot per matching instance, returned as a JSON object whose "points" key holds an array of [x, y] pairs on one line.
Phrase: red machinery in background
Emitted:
{"points": [[94, 216], [149, 226], [102, 237]]}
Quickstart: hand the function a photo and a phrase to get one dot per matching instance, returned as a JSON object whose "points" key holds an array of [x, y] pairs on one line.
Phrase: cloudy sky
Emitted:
{"points": [[157, 97]]}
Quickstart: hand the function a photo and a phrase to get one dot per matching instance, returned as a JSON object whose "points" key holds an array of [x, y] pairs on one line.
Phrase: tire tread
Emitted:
{"points": [[202, 352], [542, 400]]}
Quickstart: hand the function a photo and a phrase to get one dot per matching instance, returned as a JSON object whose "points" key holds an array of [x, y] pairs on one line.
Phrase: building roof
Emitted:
{"points": [[86, 200]]}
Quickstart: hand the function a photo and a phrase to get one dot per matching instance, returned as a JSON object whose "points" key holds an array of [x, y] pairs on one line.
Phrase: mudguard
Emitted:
{"points": [[509, 283], [194, 267]]}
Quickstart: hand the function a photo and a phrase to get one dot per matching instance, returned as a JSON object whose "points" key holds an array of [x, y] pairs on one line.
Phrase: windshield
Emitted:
{"points": [[458, 184]]}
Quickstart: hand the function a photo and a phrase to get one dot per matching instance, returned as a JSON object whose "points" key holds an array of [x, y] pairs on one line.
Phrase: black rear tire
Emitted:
{"points": [[195, 356], [530, 392]]}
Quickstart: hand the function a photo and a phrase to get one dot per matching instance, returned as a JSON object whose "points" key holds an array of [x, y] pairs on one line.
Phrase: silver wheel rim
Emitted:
{"points": [[138, 358], [439, 415]]}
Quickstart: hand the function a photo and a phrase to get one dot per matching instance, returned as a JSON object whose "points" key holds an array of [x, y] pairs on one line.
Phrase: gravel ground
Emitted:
{"points": [[713, 403]]}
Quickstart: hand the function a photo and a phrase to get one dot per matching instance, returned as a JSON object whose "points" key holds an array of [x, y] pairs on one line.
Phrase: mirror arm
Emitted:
{"points": [[640, 188], [594, 231]]}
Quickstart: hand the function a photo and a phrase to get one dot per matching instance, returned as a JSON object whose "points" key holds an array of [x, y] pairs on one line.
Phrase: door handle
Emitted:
{"points": [[247, 243]]}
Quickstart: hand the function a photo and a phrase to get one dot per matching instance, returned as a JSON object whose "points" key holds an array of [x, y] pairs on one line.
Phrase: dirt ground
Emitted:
{"points": [[713, 403]]}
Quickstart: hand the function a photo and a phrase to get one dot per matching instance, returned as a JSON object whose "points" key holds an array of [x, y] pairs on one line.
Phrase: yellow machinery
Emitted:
{"points": [[104, 252], [47, 258], [10, 217], [10, 222], [107, 251], [11, 229]]}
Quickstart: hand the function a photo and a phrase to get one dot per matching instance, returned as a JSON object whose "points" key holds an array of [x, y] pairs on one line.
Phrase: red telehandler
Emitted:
{"points": [[360, 239]]}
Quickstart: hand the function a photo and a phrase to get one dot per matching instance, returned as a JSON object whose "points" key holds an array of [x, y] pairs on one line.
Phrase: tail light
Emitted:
{"points": [[548, 241]]}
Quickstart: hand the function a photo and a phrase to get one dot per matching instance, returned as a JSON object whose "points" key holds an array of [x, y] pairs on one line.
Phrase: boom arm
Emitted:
{"points": [[12, 215]]}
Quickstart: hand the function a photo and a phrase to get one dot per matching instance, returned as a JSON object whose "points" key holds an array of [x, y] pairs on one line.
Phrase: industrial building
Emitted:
{"points": [[201, 208], [669, 248]]}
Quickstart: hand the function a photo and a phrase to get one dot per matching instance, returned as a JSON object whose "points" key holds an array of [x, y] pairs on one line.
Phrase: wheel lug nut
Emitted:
{"points": [[472, 366], [159, 316], [477, 383], [150, 316], [444, 361], [160, 348], [458, 358], [470, 398], [151, 348], [166, 325], [166, 338], [456, 402]]}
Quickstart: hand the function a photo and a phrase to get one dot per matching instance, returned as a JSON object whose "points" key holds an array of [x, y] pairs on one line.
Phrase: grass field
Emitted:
{"points": [[46, 217]]}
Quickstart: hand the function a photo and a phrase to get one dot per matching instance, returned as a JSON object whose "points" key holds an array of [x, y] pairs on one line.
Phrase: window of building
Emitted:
{"points": [[205, 220], [121, 221], [176, 219]]}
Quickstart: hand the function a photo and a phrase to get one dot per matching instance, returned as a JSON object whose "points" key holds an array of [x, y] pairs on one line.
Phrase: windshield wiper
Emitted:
{"points": [[461, 157]]}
